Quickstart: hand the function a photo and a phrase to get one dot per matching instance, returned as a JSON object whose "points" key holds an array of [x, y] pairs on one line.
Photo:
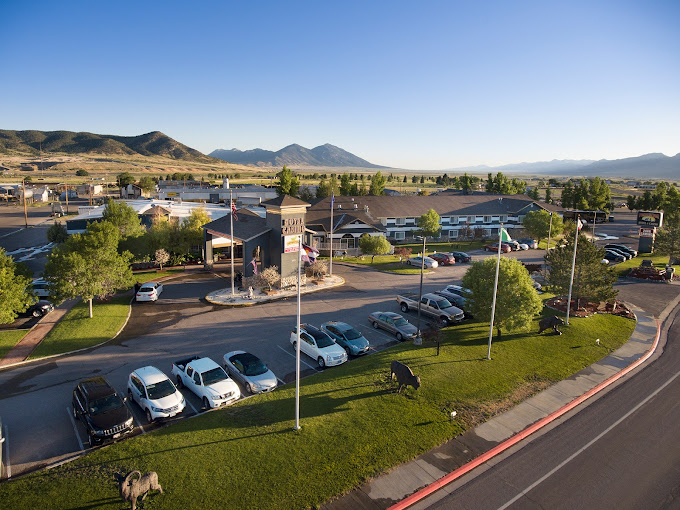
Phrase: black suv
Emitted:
{"points": [[102, 410]]}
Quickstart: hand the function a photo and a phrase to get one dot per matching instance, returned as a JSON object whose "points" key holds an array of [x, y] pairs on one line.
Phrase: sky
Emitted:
{"points": [[414, 85]]}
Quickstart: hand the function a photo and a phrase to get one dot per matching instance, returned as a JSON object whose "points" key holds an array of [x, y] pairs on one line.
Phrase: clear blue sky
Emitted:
{"points": [[419, 85]]}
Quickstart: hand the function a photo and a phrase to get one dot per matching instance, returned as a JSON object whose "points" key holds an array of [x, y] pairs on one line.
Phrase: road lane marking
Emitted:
{"points": [[129, 406], [589, 444], [189, 404], [281, 382], [75, 428], [8, 467], [294, 356]]}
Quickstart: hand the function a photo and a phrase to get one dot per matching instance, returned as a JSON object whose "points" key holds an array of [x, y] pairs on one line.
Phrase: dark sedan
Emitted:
{"points": [[40, 308], [444, 259], [460, 256]]}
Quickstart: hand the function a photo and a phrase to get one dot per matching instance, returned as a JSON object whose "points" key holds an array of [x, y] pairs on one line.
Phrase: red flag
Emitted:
{"points": [[233, 211]]}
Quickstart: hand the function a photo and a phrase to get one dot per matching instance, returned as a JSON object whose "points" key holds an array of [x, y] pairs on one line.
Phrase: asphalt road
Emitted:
{"points": [[35, 398], [621, 451]]}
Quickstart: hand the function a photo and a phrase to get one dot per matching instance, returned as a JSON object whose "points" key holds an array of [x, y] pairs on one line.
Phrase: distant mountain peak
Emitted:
{"points": [[295, 155]]}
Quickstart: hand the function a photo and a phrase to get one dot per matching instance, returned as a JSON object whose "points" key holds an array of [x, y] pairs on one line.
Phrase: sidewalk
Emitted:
{"points": [[431, 467], [21, 351]]}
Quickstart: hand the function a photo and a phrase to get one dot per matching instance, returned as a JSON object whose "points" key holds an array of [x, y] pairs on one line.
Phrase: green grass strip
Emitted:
{"points": [[9, 338], [77, 331], [354, 425], [659, 261]]}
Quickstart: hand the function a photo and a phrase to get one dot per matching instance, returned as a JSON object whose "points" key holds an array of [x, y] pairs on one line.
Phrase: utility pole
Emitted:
{"points": [[23, 182], [66, 186]]}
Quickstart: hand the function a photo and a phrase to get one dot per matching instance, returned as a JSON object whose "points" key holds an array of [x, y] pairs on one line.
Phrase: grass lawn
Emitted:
{"points": [[354, 425], [150, 276], [9, 338], [77, 331], [659, 261]]}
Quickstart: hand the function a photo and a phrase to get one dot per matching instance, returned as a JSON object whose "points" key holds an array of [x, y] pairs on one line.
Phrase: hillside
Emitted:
{"points": [[69, 142], [295, 156], [648, 166]]}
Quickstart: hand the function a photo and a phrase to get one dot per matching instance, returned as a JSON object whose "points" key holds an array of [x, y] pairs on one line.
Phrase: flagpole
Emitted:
{"points": [[573, 266], [331, 238], [547, 250], [231, 221], [297, 343], [495, 290]]}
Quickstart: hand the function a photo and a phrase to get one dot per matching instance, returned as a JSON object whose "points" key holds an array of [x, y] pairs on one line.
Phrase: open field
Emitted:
{"points": [[354, 425]]}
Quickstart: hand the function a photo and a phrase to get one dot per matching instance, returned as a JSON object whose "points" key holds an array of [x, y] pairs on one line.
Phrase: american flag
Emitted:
{"points": [[233, 211]]}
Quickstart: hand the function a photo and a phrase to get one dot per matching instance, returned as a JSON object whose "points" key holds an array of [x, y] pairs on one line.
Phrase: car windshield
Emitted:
{"points": [[104, 404], [324, 341], [351, 334], [252, 365], [213, 376], [443, 303], [160, 390], [400, 321]]}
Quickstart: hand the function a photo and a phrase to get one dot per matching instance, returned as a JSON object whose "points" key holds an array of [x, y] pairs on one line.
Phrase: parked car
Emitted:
{"points": [[418, 262], [40, 288], [394, 323], [346, 337], [532, 243], [250, 371], [523, 246], [514, 245], [613, 256], [457, 289], [155, 394], [443, 259], [207, 380], [432, 305], [456, 300], [622, 248], [505, 248], [40, 308], [460, 256], [319, 346], [605, 237], [149, 291], [624, 254], [102, 410]]}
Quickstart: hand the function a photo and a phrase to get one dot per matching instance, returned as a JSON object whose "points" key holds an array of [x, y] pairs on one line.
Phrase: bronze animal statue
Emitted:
{"points": [[404, 376], [550, 322], [131, 488]]}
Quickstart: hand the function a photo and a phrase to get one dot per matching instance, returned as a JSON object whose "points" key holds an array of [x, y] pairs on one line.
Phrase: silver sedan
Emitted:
{"points": [[394, 323], [250, 371]]}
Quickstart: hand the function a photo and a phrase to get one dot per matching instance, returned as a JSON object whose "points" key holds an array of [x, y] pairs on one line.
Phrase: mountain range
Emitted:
{"points": [[294, 155], [647, 166], [69, 142]]}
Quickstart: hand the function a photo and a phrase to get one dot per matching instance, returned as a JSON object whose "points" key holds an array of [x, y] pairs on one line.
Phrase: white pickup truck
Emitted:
{"points": [[207, 380], [435, 306]]}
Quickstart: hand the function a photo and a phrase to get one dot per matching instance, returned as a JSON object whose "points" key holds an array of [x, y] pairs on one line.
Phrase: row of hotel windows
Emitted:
{"points": [[451, 234], [451, 220]]}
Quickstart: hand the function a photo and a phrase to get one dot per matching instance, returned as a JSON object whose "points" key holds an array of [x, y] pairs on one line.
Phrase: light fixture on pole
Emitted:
{"points": [[231, 222], [419, 339], [330, 270], [502, 236], [573, 265]]}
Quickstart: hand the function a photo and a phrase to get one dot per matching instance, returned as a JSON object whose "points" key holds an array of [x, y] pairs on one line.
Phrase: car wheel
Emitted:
{"points": [[399, 337], [36, 313], [180, 384], [444, 321], [73, 410], [321, 362], [404, 307], [91, 441], [206, 404], [130, 395], [149, 418], [347, 351], [294, 346], [375, 325]]}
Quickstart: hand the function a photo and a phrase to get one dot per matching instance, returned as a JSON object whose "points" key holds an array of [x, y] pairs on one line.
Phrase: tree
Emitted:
{"points": [[593, 280], [323, 190], [288, 184], [517, 302], [377, 184], [82, 173], [14, 294], [306, 194], [191, 230], [345, 185], [548, 196], [631, 202], [124, 179], [124, 218], [271, 276], [667, 242], [533, 193], [88, 265], [161, 257], [147, 184], [537, 224], [57, 233], [466, 183], [429, 224], [374, 245]]}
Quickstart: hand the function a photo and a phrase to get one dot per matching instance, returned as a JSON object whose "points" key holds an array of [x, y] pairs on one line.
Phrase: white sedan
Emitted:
{"points": [[250, 371], [319, 346], [418, 262], [155, 394], [149, 291]]}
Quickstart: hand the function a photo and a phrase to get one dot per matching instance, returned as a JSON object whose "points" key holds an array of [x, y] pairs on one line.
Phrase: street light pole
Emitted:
{"points": [[419, 338]]}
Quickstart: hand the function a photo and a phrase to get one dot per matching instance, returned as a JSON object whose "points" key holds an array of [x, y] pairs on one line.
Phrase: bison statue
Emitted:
{"points": [[404, 376], [550, 322]]}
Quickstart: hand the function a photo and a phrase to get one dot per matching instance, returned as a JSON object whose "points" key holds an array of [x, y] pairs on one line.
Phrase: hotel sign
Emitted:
{"points": [[650, 218], [291, 244], [292, 226]]}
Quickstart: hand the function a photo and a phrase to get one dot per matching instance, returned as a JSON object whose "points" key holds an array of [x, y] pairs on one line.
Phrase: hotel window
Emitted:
{"points": [[399, 235], [453, 233], [487, 219], [504, 219], [401, 221]]}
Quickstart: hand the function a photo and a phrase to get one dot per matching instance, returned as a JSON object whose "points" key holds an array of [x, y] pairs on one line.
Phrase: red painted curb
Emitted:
{"points": [[500, 448]]}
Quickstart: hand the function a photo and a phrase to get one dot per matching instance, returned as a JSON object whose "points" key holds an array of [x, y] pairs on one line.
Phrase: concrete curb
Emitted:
{"points": [[508, 443]]}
